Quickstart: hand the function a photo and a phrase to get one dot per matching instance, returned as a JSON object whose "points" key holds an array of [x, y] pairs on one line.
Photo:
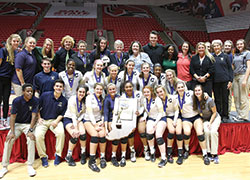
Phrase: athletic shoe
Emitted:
{"points": [[123, 162], [162, 163], [83, 158], [93, 166], [170, 159], [216, 160], [147, 155], [103, 163], [114, 161], [152, 157], [70, 161], [206, 160], [3, 172], [132, 156], [57, 160], [6, 124], [2, 127], [45, 162], [179, 160], [186, 154], [31, 171]]}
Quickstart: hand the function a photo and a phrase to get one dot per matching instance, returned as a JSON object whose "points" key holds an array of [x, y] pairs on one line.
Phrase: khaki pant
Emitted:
{"points": [[241, 99], [19, 129], [17, 89], [212, 135], [41, 130]]}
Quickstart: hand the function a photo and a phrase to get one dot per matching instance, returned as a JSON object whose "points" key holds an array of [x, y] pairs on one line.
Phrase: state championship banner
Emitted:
{"points": [[59, 10]]}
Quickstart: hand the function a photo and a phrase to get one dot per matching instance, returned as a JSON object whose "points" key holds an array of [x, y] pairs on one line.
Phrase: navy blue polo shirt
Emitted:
{"points": [[44, 82], [108, 108], [27, 63], [6, 68], [50, 107], [24, 109]]}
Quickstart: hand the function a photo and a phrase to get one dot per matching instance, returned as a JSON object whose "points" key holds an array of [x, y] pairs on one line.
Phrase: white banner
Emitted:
{"points": [[59, 10]]}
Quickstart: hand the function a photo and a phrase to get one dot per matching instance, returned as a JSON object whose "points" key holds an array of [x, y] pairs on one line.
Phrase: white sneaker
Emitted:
{"points": [[132, 156], [147, 155], [3, 172], [31, 171]]}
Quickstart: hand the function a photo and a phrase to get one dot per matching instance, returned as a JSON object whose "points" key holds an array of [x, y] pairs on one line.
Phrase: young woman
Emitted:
{"points": [[130, 93], [146, 78], [241, 66], [113, 75], [156, 124], [158, 73], [169, 58], [183, 64], [7, 58], [129, 74], [71, 78], [25, 65], [64, 53], [47, 51], [73, 123], [202, 68], [211, 120], [190, 118], [108, 117], [94, 125], [94, 76], [170, 81], [174, 125], [138, 56]]}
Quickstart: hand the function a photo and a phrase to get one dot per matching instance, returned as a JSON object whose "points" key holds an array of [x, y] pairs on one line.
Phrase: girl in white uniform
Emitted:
{"points": [[174, 124], [94, 76], [94, 125], [153, 113], [146, 78], [190, 118], [113, 75], [170, 81], [128, 74], [73, 123], [71, 79], [130, 93]]}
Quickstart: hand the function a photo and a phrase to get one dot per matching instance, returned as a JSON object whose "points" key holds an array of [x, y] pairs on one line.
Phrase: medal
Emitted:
{"points": [[149, 104], [98, 79], [98, 102], [79, 107], [181, 102], [71, 81]]}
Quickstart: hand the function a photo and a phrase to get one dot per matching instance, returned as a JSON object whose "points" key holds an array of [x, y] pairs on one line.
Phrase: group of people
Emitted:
{"points": [[77, 91]]}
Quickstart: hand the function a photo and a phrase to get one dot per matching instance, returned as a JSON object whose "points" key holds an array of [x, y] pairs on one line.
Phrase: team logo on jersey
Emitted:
{"points": [[30, 108], [76, 75], [221, 58], [153, 101], [135, 73], [152, 80], [137, 95], [60, 104], [188, 94], [119, 80], [170, 100], [53, 77]]}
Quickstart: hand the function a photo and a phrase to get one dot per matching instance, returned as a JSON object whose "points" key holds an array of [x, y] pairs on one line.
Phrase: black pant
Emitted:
{"points": [[207, 86], [5, 88], [221, 98]]}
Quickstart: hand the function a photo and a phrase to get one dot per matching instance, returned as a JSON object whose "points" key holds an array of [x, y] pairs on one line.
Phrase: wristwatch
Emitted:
{"points": [[31, 129]]}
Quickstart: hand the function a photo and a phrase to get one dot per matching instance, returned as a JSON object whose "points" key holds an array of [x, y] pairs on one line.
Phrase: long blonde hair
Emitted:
{"points": [[51, 53], [207, 53], [11, 56]]}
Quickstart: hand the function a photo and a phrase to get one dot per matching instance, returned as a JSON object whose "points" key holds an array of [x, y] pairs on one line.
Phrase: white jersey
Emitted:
{"points": [[121, 80], [153, 109], [139, 97], [170, 105], [70, 89], [186, 105], [151, 81], [72, 110], [90, 80], [107, 81], [93, 111], [171, 88], [161, 79]]}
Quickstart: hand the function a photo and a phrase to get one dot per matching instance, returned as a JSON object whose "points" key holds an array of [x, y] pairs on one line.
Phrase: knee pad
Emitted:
{"points": [[124, 140], [94, 139], [102, 139], [201, 138], [160, 141], [150, 136], [73, 140], [170, 136], [186, 137], [83, 137], [179, 137], [131, 135], [115, 142], [143, 135]]}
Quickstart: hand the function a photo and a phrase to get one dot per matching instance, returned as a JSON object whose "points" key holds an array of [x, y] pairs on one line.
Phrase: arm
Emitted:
{"points": [[230, 71], [89, 110], [244, 82], [213, 115], [106, 110], [160, 110], [19, 73], [1, 60]]}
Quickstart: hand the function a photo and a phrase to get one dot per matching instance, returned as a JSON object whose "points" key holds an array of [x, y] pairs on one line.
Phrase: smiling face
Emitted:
{"points": [[135, 48], [118, 48], [145, 68], [112, 90], [180, 88], [81, 93], [98, 66], [30, 44], [169, 76], [47, 45], [46, 64], [128, 87], [103, 44], [217, 48], [153, 38], [82, 47], [98, 90], [58, 88], [113, 71], [201, 50], [71, 66], [147, 93], [28, 93], [171, 50], [67, 44], [240, 45], [130, 66], [198, 91], [184, 48], [227, 47], [161, 93], [157, 71], [14, 43]]}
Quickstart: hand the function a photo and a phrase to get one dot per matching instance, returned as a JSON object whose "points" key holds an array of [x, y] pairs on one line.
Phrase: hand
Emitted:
{"points": [[229, 85], [97, 127], [10, 136], [75, 133], [203, 79], [137, 113], [40, 121], [31, 136], [54, 124], [174, 124], [244, 83]]}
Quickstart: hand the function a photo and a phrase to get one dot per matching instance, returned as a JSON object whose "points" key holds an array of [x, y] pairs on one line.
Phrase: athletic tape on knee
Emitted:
{"points": [[179, 137], [150, 136], [160, 141], [94, 139], [73, 140], [186, 137], [102, 139], [201, 138], [83, 137], [170, 136]]}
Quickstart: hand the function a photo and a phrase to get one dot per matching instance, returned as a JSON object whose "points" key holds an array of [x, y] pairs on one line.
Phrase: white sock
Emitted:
{"points": [[123, 153], [204, 152], [163, 156], [152, 149], [113, 154], [102, 155], [69, 153], [83, 149], [186, 147], [132, 149], [145, 148]]}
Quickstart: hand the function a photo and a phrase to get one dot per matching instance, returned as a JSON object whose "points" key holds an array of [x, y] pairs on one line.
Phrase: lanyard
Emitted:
{"points": [[149, 104], [98, 79], [71, 81], [98, 102], [146, 83], [79, 107], [181, 102]]}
